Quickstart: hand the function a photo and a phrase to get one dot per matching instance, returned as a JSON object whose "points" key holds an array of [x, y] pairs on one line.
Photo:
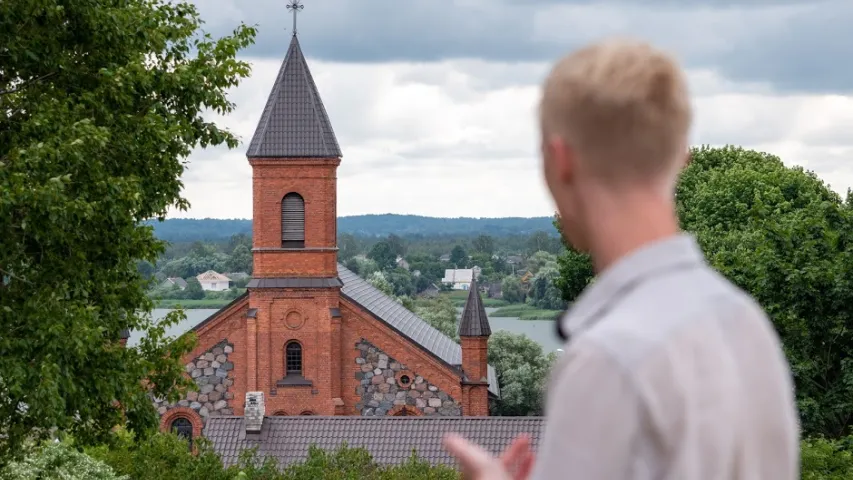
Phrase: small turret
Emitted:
{"points": [[474, 332]]}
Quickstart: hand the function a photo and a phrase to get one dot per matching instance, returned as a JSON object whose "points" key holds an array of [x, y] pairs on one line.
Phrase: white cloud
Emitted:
{"points": [[459, 138]]}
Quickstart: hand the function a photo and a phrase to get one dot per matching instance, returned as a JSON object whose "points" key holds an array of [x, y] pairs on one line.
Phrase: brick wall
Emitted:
{"points": [[303, 316], [316, 181]]}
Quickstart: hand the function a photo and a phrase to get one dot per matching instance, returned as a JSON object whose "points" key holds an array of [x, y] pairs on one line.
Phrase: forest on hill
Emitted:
{"points": [[212, 229]]}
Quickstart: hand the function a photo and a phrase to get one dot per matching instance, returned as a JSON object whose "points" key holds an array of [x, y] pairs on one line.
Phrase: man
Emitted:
{"points": [[671, 372]]}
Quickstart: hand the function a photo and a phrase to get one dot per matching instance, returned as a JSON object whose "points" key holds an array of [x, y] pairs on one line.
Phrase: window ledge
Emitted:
{"points": [[294, 381]]}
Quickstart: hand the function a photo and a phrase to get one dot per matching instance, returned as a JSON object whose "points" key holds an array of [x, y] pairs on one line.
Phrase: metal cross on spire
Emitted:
{"points": [[295, 6]]}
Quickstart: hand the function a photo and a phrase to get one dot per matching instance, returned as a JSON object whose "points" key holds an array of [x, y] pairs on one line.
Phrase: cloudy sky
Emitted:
{"points": [[433, 102]]}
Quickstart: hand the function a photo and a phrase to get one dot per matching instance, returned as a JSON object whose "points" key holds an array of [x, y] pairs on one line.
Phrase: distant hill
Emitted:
{"points": [[190, 230]]}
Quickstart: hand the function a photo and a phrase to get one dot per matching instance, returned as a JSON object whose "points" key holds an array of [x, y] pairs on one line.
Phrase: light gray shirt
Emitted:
{"points": [[671, 372]]}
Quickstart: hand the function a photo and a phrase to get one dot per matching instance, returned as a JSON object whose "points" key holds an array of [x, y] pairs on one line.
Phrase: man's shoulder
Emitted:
{"points": [[655, 314]]}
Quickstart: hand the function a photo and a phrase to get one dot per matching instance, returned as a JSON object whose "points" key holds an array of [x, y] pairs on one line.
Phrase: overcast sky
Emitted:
{"points": [[433, 103]]}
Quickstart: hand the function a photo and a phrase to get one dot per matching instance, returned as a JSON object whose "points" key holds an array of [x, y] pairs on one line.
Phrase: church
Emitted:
{"points": [[311, 338]]}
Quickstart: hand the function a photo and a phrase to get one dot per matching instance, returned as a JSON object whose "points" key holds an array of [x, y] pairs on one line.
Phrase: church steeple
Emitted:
{"points": [[474, 322], [294, 123]]}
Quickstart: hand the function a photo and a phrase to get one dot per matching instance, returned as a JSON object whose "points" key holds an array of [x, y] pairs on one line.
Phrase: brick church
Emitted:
{"points": [[309, 337]]}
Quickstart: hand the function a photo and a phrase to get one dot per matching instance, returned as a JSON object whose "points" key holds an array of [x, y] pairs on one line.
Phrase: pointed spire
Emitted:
{"points": [[474, 322], [294, 123]]}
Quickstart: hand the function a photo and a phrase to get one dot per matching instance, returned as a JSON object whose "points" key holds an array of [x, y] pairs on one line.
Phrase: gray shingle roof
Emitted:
{"points": [[474, 321], [404, 321], [294, 123], [390, 440]]}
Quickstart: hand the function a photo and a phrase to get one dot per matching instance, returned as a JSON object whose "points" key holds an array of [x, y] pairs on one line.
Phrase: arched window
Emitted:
{"points": [[293, 358], [293, 221], [307, 412], [183, 428]]}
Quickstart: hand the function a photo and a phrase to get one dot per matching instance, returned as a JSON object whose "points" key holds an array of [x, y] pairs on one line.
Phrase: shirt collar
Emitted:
{"points": [[677, 251]]}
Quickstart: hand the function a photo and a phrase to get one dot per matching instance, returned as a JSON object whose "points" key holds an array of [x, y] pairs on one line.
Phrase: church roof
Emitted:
{"points": [[405, 321], [294, 123], [474, 322], [389, 440]]}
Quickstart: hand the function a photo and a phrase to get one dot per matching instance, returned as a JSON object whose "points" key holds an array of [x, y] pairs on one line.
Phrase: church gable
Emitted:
{"points": [[389, 387], [416, 332]]}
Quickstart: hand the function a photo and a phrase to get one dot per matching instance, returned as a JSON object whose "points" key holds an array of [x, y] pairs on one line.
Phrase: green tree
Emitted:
{"points": [[383, 255], [575, 269], [441, 314], [522, 369], [511, 289], [398, 246], [543, 292], [378, 280], [543, 241], [193, 291], [240, 260], [459, 257], [347, 247], [58, 460], [484, 244], [103, 101]]}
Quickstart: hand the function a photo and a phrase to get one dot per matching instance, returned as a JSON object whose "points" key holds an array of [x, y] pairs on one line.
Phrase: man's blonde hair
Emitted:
{"points": [[623, 105]]}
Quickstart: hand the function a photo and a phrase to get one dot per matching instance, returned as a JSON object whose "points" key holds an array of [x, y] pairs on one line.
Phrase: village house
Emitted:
{"points": [[213, 282], [312, 352], [172, 282], [402, 263], [458, 278]]}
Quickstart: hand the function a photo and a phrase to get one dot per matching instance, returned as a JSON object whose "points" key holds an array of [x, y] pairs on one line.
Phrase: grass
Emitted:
{"points": [[525, 312], [191, 304]]}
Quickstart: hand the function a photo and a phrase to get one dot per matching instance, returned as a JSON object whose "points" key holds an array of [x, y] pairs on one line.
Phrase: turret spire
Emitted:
{"points": [[474, 322]]}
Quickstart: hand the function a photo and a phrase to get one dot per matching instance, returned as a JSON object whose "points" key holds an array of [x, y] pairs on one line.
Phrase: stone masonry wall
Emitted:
{"points": [[213, 375], [382, 388]]}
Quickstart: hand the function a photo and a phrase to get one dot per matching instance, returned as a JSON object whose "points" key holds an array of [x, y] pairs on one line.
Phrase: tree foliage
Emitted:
{"points": [[441, 314], [522, 369], [383, 254], [102, 103]]}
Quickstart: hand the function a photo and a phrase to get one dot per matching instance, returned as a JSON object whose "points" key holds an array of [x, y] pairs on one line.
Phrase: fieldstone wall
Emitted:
{"points": [[381, 388], [212, 374]]}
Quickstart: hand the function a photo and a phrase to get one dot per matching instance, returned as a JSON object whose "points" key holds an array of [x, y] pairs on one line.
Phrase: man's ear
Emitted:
{"points": [[563, 157]]}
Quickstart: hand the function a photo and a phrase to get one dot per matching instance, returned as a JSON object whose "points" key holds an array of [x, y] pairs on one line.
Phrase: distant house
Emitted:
{"points": [[430, 292], [514, 260], [444, 258], [458, 279], [174, 282], [477, 271], [213, 282], [402, 263]]}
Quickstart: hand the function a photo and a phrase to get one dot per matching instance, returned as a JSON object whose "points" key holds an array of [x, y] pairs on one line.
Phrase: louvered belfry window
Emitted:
{"points": [[293, 221]]}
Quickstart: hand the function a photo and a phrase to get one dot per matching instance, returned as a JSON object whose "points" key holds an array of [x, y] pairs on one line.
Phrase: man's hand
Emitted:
{"points": [[517, 459], [477, 464]]}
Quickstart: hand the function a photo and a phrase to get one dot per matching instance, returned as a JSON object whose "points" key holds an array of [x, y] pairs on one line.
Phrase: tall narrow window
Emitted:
{"points": [[183, 428], [293, 358], [293, 221]]}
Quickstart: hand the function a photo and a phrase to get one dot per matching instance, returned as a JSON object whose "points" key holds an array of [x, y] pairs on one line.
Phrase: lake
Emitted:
{"points": [[541, 331]]}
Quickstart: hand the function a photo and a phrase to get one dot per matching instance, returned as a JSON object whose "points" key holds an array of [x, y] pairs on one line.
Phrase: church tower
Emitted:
{"points": [[293, 325]]}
